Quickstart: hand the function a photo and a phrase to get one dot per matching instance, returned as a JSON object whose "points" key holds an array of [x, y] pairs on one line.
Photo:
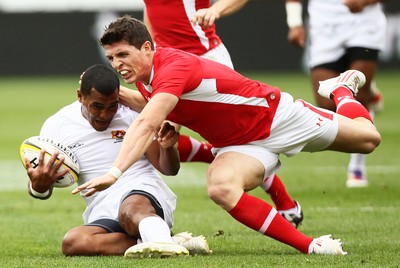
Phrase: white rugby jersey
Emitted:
{"points": [[95, 151]]}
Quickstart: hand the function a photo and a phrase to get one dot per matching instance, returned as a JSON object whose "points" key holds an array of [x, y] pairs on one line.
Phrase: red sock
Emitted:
{"points": [[192, 150], [277, 191], [262, 217], [347, 105]]}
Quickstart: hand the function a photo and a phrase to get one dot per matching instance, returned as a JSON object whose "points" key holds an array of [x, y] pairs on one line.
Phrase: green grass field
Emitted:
{"points": [[367, 220]]}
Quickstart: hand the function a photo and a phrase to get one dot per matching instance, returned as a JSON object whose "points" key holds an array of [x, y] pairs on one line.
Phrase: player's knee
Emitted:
{"points": [[374, 142], [222, 186], [75, 243], [217, 193]]}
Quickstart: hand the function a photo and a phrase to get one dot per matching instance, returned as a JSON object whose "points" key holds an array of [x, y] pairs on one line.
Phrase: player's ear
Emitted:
{"points": [[79, 93], [147, 46]]}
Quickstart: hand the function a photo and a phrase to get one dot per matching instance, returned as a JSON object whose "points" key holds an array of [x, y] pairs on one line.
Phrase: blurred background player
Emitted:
{"points": [[342, 35], [141, 205]]}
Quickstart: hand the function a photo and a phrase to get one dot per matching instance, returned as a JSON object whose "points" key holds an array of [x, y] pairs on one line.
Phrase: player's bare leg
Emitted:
{"points": [[356, 133], [95, 240], [230, 176], [368, 96]]}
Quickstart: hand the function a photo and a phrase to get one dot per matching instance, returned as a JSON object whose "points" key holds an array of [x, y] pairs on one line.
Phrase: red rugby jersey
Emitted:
{"points": [[224, 107], [171, 26]]}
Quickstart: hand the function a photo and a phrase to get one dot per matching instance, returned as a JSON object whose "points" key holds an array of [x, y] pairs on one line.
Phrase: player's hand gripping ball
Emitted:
{"points": [[30, 149]]}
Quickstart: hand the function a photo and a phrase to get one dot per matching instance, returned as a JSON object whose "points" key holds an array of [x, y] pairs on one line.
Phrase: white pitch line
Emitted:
{"points": [[361, 209]]}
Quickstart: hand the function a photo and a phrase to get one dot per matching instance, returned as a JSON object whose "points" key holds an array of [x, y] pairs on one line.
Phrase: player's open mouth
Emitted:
{"points": [[123, 72]]}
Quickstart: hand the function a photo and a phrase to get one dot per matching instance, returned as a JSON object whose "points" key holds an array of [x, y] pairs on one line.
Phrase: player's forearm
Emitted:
{"points": [[136, 141], [169, 161], [228, 7]]}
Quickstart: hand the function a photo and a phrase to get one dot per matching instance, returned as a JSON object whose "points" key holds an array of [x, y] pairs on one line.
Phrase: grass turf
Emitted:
{"points": [[365, 219]]}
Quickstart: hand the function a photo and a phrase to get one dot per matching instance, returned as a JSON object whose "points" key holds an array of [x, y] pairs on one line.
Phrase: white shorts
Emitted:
{"points": [[106, 203], [219, 54], [330, 33], [297, 126]]}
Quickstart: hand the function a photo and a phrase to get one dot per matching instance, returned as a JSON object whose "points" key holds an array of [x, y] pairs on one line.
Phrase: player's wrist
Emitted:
{"points": [[294, 14], [38, 194], [115, 172]]}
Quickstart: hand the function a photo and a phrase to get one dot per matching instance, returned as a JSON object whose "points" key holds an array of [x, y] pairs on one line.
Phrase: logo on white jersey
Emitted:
{"points": [[118, 135]]}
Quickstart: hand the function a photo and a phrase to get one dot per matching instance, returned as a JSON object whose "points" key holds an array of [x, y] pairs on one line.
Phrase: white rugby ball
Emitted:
{"points": [[30, 149]]}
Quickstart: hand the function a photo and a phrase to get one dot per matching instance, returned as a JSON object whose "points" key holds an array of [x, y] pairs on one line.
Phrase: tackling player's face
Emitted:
{"points": [[134, 65], [99, 109]]}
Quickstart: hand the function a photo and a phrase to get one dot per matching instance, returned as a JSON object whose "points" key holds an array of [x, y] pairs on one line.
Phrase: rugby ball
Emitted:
{"points": [[30, 149]]}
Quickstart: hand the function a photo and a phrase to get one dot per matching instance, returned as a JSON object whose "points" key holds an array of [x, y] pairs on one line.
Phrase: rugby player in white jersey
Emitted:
{"points": [[343, 34], [138, 209]]}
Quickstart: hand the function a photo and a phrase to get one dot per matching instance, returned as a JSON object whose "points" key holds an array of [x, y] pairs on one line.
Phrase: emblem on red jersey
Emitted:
{"points": [[118, 135]]}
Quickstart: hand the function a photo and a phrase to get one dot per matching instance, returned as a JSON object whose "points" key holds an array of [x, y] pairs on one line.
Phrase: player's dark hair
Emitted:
{"points": [[127, 29], [102, 78]]}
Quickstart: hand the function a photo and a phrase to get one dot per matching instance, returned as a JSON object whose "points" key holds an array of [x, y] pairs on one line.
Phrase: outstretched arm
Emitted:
{"points": [[207, 16]]}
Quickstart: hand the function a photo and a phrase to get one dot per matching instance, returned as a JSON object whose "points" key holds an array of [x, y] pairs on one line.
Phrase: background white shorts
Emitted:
{"points": [[332, 30], [219, 54], [106, 203]]}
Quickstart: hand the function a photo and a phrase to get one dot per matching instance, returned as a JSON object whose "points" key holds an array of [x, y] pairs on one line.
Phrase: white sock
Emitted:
{"points": [[357, 162], [154, 229]]}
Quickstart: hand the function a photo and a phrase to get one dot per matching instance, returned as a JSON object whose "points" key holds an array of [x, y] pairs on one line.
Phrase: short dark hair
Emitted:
{"points": [[102, 78], [127, 29]]}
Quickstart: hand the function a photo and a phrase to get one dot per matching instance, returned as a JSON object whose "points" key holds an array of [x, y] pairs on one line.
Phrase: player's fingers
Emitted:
{"points": [[28, 164], [209, 20], [57, 164], [62, 173], [41, 157], [198, 17], [52, 160], [80, 188], [165, 131], [90, 192]]}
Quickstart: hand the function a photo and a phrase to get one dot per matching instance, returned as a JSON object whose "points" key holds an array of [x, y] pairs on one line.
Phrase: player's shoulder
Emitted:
{"points": [[126, 113], [67, 110], [58, 119], [173, 54]]}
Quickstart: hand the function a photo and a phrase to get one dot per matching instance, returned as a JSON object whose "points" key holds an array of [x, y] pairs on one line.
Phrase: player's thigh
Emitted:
{"points": [[82, 233], [236, 169], [136, 204]]}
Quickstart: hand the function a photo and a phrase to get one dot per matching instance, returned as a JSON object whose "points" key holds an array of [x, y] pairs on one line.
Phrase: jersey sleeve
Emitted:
{"points": [[50, 128], [177, 75]]}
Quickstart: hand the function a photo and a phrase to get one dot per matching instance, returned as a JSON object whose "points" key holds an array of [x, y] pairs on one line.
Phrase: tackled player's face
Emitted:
{"points": [[99, 109]]}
